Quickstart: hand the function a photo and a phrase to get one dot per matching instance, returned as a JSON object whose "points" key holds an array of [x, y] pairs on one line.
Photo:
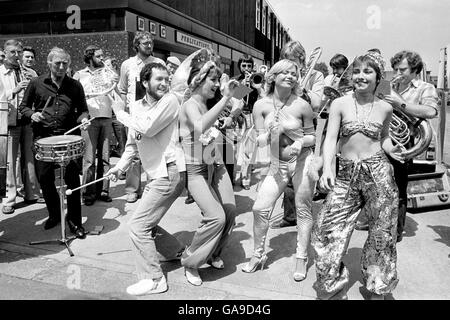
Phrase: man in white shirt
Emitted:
{"points": [[98, 133], [20, 133], [131, 90], [153, 133]]}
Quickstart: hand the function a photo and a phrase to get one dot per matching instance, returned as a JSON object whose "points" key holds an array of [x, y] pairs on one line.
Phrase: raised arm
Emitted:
{"points": [[202, 122]]}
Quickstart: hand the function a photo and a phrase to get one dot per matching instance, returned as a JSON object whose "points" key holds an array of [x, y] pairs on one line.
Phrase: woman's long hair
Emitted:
{"points": [[277, 68]]}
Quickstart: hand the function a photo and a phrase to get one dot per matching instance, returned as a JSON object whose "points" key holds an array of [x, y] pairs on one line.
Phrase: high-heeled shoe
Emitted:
{"points": [[300, 269], [254, 263], [192, 276]]}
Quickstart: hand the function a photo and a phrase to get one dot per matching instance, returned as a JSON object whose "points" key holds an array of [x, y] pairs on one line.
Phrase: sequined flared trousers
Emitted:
{"points": [[368, 184]]}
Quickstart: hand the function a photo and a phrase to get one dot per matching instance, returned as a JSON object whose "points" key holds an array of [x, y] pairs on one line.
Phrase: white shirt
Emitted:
{"points": [[100, 106], [129, 74], [9, 82], [153, 132], [314, 86]]}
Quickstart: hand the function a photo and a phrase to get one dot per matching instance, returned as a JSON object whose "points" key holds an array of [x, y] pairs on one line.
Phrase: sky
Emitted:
{"points": [[351, 27]]}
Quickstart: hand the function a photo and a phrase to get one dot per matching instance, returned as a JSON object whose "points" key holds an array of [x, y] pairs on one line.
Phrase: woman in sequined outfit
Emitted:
{"points": [[284, 120], [364, 180]]}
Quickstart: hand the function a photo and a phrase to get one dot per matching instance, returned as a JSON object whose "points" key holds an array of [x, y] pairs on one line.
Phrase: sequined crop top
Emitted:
{"points": [[367, 128]]}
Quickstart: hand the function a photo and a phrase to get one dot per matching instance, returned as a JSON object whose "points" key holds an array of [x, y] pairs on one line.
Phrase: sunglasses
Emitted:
{"points": [[246, 65]]}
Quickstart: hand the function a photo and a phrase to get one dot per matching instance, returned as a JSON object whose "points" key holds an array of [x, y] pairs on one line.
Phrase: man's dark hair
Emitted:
{"points": [[89, 52], [30, 49], [376, 50], [414, 60], [146, 72], [245, 58], [339, 61]]}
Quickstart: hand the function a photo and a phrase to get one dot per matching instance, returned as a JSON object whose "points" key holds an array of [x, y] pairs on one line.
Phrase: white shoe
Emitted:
{"points": [[148, 286], [192, 276]]}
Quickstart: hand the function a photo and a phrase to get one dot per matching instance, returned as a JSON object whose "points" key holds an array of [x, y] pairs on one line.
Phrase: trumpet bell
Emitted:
{"points": [[331, 92], [257, 78]]}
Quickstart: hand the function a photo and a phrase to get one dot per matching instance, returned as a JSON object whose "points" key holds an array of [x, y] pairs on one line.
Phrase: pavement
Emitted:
{"points": [[103, 267]]}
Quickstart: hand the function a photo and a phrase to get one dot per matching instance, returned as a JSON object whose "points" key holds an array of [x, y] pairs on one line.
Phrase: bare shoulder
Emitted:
{"points": [[383, 105], [261, 105], [300, 104], [342, 103]]}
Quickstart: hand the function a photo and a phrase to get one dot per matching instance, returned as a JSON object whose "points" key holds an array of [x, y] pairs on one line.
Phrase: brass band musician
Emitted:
{"points": [[246, 66], [416, 98]]}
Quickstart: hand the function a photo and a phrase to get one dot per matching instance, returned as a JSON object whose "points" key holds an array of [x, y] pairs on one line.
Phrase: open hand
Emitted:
{"points": [[327, 181], [230, 86]]}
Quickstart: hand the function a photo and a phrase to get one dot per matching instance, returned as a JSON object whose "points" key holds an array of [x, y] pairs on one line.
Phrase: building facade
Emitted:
{"points": [[239, 27]]}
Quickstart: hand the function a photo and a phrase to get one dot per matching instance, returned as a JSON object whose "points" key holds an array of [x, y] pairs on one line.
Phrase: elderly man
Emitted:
{"points": [[15, 81], [65, 106], [131, 90]]}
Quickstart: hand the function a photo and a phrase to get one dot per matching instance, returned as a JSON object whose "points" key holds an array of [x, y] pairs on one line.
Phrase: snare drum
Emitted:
{"points": [[59, 148]]}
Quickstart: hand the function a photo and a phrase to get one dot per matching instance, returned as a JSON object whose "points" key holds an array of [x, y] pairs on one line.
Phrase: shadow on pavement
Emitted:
{"points": [[243, 204], [443, 232], [352, 261], [411, 227], [282, 245], [28, 226]]}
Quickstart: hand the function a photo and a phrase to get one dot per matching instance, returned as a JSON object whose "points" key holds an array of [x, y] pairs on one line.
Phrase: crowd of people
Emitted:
{"points": [[177, 120]]}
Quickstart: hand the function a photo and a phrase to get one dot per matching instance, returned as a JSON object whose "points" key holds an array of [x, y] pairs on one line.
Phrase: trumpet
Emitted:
{"points": [[337, 89], [256, 79]]}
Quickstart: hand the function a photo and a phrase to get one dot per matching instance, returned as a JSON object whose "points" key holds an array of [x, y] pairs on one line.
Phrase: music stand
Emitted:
{"points": [[64, 240]]}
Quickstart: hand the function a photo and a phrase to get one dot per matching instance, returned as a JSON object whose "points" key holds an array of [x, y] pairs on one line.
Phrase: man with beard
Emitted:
{"points": [[153, 133], [131, 90], [98, 134]]}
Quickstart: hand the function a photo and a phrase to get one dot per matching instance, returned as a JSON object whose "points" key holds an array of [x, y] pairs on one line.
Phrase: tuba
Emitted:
{"points": [[413, 134]]}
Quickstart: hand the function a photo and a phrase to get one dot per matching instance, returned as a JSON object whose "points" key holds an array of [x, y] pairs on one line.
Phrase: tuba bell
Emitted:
{"points": [[413, 134]]}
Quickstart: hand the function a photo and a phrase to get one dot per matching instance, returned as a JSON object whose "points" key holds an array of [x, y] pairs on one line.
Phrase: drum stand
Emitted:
{"points": [[64, 240]]}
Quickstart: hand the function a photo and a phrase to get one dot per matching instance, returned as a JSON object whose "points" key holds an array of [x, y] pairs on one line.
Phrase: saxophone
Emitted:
{"points": [[405, 129]]}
